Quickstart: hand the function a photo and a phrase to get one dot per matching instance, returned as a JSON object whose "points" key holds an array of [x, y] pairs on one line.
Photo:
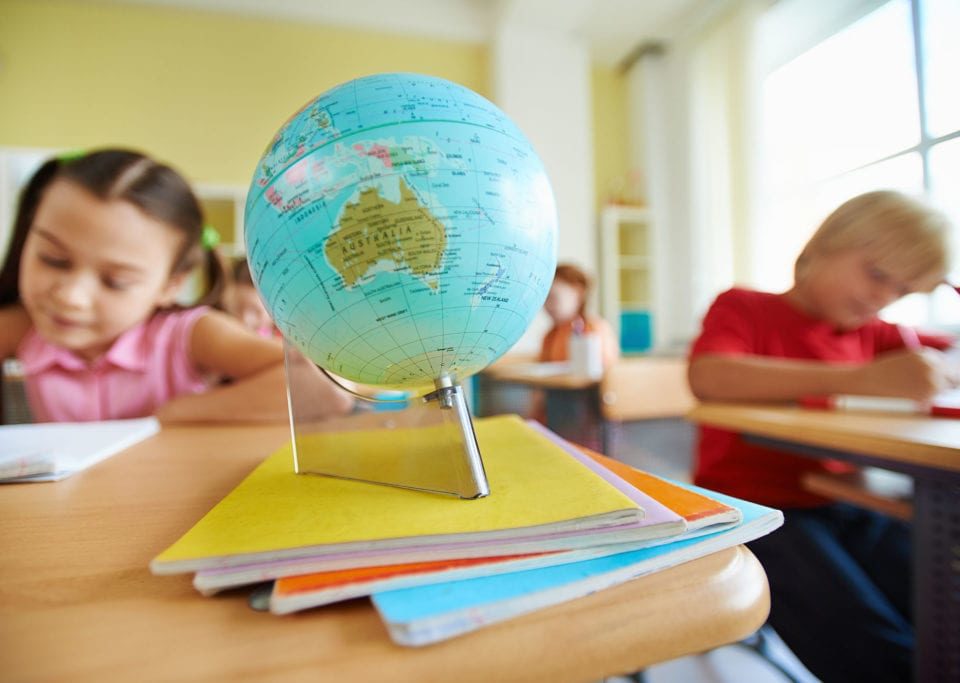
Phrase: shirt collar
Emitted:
{"points": [[128, 352]]}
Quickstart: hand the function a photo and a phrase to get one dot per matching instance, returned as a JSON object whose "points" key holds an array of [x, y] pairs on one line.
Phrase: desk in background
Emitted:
{"points": [[571, 403], [79, 604], [926, 448], [636, 410]]}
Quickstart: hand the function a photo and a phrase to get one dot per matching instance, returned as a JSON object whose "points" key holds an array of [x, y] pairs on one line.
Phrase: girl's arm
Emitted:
{"points": [[14, 323], [221, 345], [907, 374]]}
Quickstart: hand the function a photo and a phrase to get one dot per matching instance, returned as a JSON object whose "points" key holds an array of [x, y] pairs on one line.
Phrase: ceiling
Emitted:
{"points": [[611, 29]]}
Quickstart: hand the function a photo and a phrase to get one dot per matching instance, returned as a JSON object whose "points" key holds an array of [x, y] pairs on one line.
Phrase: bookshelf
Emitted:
{"points": [[626, 274]]}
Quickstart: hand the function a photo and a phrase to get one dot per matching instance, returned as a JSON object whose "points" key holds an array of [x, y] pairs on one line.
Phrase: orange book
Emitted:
{"points": [[295, 593], [697, 509], [342, 577]]}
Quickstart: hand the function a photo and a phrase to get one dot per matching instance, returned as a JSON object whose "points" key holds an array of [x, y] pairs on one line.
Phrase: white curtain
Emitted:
{"points": [[698, 122]]}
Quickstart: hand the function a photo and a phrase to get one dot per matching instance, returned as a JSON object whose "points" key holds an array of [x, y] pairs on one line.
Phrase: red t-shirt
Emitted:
{"points": [[744, 322]]}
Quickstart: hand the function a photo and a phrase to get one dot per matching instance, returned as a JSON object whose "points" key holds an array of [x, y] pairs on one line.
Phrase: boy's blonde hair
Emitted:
{"points": [[899, 232]]}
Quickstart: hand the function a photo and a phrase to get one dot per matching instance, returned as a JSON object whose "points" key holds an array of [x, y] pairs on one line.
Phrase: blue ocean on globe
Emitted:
{"points": [[401, 230]]}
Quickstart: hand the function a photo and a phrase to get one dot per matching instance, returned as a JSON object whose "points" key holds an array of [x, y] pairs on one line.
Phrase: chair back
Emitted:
{"points": [[645, 388]]}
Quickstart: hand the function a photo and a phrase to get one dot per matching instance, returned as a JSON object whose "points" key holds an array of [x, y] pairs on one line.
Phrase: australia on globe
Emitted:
{"points": [[400, 230]]}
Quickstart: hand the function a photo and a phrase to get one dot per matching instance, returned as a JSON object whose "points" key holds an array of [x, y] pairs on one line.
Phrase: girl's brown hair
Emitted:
{"points": [[575, 276], [119, 174]]}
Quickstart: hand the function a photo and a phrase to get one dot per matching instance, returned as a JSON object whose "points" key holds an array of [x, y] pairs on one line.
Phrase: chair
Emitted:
{"points": [[650, 392], [13, 398]]}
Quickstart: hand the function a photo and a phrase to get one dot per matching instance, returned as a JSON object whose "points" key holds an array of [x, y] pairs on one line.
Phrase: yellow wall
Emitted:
{"points": [[206, 91], [202, 91], [610, 134]]}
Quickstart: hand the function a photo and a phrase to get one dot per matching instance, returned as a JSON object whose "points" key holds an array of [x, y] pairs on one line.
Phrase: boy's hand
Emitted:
{"points": [[916, 375]]}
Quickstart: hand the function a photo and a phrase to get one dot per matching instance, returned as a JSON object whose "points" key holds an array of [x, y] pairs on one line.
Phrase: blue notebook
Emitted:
{"points": [[428, 614]]}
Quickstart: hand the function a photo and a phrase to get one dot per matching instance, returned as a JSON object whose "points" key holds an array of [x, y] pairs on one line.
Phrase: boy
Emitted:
{"points": [[838, 575]]}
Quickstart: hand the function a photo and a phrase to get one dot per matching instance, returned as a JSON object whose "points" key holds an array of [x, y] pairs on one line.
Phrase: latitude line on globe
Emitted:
{"points": [[358, 335], [339, 314], [476, 243], [363, 290], [364, 363], [472, 351], [413, 319], [348, 136], [434, 212]]}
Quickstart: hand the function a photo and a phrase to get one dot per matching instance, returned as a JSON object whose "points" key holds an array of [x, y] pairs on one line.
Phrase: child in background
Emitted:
{"points": [[839, 576], [101, 246], [242, 301], [566, 305]]}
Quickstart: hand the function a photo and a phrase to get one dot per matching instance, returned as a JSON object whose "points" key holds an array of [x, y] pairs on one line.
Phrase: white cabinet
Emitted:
{"points": [[17, 165], [627, 283], [223, 207]]}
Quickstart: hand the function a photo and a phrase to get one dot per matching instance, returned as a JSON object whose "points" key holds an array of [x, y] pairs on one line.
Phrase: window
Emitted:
{"points": [[874, 105]]}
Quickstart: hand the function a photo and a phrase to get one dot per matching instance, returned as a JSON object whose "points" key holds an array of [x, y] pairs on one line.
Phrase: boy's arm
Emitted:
{"points": [[14, 323], [222, 345], [907, 374]]}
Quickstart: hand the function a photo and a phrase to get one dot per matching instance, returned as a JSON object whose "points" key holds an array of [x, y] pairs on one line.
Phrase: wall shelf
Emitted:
{"points": [[626, 277]]}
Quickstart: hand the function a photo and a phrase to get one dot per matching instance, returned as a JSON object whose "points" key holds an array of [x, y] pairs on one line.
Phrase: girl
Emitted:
{"points": [[243, 302], [102, 244], [822, 337], [566, 305]]}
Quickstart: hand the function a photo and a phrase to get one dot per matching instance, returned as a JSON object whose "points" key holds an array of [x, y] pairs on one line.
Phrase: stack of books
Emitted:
{"points": [[561, 522]]}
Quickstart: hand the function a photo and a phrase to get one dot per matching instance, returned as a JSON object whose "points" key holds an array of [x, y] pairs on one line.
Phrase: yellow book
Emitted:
{"points": [[541, 499]]}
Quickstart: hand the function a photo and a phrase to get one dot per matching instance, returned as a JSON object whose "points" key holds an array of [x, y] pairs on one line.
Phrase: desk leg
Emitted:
{"points": [[574, 414], [936, 565], [495, 397]]}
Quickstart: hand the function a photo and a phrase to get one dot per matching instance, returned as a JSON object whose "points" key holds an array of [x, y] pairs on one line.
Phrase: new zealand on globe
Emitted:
{"points": [[401, 230]]}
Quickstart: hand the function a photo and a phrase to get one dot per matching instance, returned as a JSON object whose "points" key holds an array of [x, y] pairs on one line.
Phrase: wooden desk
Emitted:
{"points": [[928, 449], [77, 602]]}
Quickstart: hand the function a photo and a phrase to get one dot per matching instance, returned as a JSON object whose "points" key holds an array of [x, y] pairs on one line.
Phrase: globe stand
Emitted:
{"points": [[425, 443]]}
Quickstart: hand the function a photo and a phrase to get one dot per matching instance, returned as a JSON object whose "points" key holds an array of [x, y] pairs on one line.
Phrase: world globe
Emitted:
{"points": [[401, 231]]}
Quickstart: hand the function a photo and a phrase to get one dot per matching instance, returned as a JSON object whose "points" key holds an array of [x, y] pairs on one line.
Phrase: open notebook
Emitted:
{"points": [[55, 450]]}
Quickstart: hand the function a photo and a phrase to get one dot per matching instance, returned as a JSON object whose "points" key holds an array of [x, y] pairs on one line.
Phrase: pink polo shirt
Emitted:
{"points": [[143, 369]]}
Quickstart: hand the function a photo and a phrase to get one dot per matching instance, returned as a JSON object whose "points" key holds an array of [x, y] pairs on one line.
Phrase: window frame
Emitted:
{"points": [[815, 30]]}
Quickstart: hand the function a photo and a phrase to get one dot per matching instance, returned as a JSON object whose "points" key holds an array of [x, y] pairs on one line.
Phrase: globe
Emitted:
{"points": [[401, 231]]}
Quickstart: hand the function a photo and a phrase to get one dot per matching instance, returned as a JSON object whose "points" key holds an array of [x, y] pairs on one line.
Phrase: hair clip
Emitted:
{"points": [[70, 155], [209, 238]]}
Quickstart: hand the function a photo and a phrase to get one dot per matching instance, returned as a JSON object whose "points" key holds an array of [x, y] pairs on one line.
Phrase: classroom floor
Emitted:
{"points": [[730, 664]]}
